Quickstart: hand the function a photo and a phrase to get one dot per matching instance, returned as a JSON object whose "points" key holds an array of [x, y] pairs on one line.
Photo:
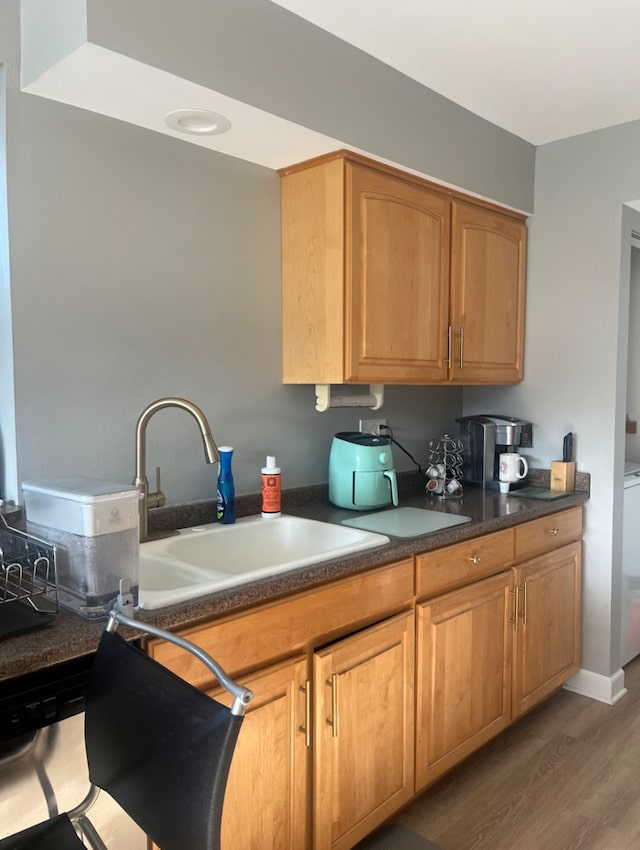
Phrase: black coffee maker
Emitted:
{"points": [[484, 439]]}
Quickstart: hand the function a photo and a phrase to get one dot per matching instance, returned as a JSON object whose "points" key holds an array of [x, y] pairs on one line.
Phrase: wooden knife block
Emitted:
{"points": [[563, 475]]}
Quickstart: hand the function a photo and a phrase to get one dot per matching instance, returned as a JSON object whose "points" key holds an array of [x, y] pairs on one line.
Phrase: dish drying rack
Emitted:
{"points": [[28, 576]]}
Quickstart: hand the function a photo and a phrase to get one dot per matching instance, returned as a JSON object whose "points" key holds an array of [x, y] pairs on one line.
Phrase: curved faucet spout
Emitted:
{"points": [[147, 499]]}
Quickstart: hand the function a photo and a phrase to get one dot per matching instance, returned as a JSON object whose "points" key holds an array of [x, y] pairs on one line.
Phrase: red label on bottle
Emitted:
{"points": [[271, 494]]}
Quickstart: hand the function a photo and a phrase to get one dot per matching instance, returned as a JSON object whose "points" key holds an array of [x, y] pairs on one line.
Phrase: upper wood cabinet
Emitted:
{"points": [[487, 296], [388, 278]]}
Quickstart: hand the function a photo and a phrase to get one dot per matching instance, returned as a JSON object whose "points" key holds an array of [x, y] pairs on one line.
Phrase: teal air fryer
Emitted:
{"points": [[361, 473]]}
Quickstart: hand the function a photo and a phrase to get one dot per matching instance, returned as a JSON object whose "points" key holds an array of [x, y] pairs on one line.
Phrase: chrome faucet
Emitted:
{"points": [[157, 499]]}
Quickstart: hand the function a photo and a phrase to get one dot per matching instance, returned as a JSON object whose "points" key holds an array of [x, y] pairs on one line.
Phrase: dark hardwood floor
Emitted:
{"points": [[565, 776]]}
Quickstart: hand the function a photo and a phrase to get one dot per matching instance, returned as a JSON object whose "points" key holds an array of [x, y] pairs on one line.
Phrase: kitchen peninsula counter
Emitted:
{"points": [[71, 636]]}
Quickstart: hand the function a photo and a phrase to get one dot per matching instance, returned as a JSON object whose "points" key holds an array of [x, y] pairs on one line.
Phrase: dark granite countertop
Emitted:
{"points": [[71, 635]]}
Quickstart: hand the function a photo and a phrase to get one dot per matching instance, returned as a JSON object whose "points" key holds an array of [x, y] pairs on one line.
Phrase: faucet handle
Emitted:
{"points": [[157, 499]]}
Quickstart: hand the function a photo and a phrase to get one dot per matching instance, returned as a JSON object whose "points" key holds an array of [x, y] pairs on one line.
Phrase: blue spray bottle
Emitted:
{"points": [[226, 491]]}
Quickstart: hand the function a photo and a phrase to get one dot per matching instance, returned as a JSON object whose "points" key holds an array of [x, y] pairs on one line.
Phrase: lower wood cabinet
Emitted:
{"points": [[463, 673], [267, 799], [365, 696], [266, 803], [363, 731], [326, 750], [490, 651], [547, 629], [359, 733]]}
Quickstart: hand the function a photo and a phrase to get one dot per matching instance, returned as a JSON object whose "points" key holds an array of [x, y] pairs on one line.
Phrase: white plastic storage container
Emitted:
{"points": [[86, 506], [94, 525]]}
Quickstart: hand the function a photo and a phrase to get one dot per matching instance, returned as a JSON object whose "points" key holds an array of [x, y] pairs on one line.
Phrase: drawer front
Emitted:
{"points": [[547, 533], [455, 566], [279, 629]]}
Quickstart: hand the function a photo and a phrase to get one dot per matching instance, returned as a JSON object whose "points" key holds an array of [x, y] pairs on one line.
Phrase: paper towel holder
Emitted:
{"points": [[324, 400]]}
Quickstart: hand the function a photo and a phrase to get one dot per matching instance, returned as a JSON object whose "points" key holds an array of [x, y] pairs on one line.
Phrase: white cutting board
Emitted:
{"points": [[406, 522]]}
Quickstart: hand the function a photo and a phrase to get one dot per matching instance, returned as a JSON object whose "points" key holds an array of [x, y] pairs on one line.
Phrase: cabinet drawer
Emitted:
{"points": [[455, 566], [547, 533], [276, 630]]}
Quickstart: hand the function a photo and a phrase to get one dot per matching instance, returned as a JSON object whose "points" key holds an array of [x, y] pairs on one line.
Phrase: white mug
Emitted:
{"points": [[513, 467]]}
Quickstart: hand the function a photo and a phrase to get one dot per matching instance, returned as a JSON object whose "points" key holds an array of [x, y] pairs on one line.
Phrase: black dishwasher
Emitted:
{"points": [[43, 697]]}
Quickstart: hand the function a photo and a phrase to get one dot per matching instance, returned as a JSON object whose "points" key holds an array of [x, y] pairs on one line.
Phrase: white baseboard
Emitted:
{"points": [[607, 689]]}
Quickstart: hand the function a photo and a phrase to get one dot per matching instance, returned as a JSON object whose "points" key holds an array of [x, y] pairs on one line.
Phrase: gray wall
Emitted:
{"points": [[263, 55], [142, 266], [576, 346], [7, 406], [632, 441], [9, 55]]}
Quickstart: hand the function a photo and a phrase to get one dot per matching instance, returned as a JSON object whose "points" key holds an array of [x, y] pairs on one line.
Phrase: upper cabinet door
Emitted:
{"points": [[487, 296], [313, 243], [397, 281]]}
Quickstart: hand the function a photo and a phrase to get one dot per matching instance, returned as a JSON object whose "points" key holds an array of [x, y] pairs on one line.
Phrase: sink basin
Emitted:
{"points": [[213, 557]]}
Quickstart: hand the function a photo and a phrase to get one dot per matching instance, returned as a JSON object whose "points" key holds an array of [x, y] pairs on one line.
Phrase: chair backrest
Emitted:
{"points": [[158, 746]]}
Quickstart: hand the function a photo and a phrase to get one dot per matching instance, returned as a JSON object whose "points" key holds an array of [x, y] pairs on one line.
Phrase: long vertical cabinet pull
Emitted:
{"points": [[516, 607], [450, 334], [333, 722], [517, 592], [306, 689]]}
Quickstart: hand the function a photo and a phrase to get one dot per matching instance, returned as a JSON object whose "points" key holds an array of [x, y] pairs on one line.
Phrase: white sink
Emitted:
{"points": [[213, 557]]}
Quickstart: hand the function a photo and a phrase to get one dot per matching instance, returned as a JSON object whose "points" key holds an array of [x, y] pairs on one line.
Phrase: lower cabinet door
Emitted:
{"points": [[547, 638], [463, 673], [363, 731], [266, 803]]}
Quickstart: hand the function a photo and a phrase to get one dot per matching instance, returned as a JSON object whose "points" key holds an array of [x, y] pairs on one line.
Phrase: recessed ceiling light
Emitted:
{"points": [[200, 122]]}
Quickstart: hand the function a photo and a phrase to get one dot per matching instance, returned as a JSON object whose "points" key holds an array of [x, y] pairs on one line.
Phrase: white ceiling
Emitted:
{"points": [[544, 70], [556, 71]]}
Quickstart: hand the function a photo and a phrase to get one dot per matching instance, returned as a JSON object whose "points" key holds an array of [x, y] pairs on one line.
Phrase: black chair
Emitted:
{"points": [[160, 747]]}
